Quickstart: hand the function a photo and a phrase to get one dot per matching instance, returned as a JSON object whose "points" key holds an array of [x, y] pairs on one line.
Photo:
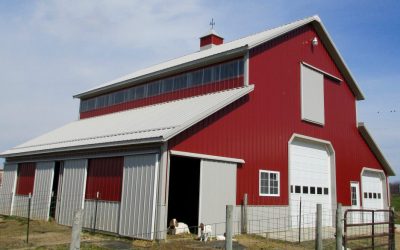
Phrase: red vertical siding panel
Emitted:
{"points": [[105, 176], [26, 178], [257, 127]]}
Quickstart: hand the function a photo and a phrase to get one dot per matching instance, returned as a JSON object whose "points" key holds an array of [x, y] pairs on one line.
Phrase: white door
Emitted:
{"points": [[310, 182], [373, 195], [355, 217], [138, 200], [217, 189]]}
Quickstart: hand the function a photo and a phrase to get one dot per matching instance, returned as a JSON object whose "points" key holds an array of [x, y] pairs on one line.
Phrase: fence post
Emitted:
{"points": [[76, 230], [228, 227], [95, 212], [244, 215], [339, 230], [29, 217], [318, 230], [300, 221]]}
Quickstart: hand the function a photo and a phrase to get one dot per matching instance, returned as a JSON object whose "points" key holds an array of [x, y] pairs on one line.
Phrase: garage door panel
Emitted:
{"points": [[310, 167]]}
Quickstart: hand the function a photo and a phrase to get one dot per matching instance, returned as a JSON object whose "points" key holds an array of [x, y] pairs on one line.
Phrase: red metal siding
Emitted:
{"points": [[105, 176], [200, 90], [257, 128], [211, 39], [26, 178]]}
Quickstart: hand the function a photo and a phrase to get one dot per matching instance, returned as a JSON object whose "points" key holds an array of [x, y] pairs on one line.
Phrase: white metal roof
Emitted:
{"points": [[153, 123], [226, 48], [375, 148]]}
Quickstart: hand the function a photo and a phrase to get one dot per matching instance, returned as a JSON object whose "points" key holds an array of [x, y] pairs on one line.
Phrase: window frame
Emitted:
{"points": [[268, 184]]}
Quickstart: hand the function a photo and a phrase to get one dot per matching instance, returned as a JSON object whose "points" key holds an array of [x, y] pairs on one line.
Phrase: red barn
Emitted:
{"points": [[272, 115]]}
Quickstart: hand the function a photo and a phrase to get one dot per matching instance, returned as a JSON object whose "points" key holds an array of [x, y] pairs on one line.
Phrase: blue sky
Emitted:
{"points": [[51, 50]]}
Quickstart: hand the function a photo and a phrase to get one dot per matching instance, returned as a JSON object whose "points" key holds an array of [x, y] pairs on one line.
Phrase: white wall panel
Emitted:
{"points": [[73, 190], [107, 216], [139, 188], [42, 190], [216, 194], [7, 189], [312, 95]]}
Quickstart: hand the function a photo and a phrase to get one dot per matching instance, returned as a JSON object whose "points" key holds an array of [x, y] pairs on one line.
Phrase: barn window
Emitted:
{"points": [[269, 183], [379, 195], [26, 178], [354, 196], [297, 189], [104, 177], [305, 190], [312, 190], [312, 95], [319, 190]]}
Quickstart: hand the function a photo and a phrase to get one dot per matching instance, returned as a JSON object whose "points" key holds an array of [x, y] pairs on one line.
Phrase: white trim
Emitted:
{"points": [[268, 186], [14, 189], [200, 193], [155, 191], [50, 190], [84, 183], [246, 69], [358, 198], [208, 157], [93, 156], [322, 72]]}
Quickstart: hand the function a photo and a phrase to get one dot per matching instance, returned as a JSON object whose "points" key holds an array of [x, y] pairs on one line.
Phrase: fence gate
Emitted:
{"points": [[369, 229]]}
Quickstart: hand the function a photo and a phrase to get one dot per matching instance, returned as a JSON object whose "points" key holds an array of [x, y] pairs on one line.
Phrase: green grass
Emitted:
{"points": [[396, 204]]}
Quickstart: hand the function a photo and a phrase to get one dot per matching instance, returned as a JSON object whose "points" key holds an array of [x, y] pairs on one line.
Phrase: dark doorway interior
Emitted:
{"points": [[54, 189], [184, 187]]}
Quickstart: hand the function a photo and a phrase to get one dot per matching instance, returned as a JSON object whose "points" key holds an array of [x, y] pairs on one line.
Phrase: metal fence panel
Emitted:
{"points": [[42, 190], [20, 206], [139, 188], [73, 190], [8, 188]]}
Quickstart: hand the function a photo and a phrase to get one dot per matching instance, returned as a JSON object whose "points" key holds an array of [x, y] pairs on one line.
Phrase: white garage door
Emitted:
{"points": [[372, 188], [310, 182]]}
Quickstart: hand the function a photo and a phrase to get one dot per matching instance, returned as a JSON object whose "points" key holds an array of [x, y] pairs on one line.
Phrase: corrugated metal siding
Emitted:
{"points": [[73, 190], [42, 190], [257, 128], [138, 196], [20, 206], [133, 126], [8, 188], [26, 178], [107, 218], [105, 177], [215, 194]]}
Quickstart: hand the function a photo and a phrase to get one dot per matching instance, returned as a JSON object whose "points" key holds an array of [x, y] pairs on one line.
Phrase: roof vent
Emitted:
{"points": [[211, 39]]}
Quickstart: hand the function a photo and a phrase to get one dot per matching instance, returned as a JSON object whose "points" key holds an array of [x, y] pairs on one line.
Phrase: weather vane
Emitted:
{"points": [[212, 23]]}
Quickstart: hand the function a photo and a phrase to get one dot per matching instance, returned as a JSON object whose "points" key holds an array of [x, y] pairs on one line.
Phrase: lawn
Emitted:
{"points": [[396, 204]]}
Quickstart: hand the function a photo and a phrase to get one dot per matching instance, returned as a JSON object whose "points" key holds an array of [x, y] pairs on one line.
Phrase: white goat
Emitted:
{"points": [[205, 232], [176, 227]]}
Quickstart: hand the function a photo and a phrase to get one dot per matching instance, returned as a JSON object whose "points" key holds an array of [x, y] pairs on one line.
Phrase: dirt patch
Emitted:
{"points": [[49, 235]]}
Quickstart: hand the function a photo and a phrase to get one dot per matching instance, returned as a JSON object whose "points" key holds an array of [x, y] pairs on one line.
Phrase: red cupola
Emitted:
{"points": [[210, 40]]}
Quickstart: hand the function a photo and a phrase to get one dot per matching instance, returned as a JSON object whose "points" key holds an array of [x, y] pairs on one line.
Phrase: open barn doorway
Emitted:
{"points": [[184, 188]]}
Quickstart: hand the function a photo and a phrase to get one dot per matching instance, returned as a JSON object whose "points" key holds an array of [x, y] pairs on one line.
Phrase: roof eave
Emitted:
{"points": [[168, 71], [84, 147], [375, 148]]}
